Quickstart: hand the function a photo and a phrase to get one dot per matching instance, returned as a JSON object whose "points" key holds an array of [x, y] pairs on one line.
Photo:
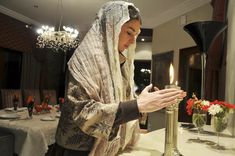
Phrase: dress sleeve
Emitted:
{"points": [[127, 111], [92, 117]]}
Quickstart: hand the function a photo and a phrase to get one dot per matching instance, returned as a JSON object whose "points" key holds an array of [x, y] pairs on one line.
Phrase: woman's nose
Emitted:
{"points": [[132, 39]]}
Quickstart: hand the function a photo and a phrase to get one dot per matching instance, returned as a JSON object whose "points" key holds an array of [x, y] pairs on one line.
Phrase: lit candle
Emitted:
{"points": [[171, 133], [171, 75]]}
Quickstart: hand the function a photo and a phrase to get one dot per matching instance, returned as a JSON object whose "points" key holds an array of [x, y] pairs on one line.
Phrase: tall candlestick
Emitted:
{"points": [[168, 151], [171, 134], [175, 129], [171, 127]]}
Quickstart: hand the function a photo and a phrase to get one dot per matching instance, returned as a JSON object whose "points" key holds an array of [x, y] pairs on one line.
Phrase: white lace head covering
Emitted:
{"points": [[98, 56], [96, 66]]}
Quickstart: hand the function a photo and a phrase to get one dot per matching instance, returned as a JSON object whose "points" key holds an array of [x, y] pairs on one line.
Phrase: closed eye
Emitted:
{"points": [[130, 34]]}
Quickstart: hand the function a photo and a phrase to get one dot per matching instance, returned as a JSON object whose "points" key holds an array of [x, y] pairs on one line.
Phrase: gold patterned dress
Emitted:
{"points": [[96, 85]]}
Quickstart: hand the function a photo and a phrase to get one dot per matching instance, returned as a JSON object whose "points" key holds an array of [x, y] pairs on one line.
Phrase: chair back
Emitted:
{"points": [[7, 96]]}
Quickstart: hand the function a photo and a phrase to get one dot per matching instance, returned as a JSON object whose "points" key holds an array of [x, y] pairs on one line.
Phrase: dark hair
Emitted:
{"points": [[134, 13]]}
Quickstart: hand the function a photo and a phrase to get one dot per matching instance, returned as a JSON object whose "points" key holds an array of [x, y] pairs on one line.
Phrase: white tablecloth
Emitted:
{"points": [[32, 136], [152, 144]]}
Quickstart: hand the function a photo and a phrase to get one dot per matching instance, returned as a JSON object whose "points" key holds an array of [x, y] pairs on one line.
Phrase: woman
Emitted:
{"points": [[99, 98]]}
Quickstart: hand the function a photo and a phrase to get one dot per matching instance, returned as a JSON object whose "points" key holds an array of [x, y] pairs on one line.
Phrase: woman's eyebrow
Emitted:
{"points": [[132, 29], [138, 31]]}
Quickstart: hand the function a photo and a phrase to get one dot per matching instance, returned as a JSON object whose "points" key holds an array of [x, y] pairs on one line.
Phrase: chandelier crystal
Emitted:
{"points": [[58, 40]]}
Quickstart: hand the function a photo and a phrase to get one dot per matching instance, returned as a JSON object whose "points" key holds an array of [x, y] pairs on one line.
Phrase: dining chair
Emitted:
{"points": [[6, 143], [52, 94], [31, 92], [7, 96]]}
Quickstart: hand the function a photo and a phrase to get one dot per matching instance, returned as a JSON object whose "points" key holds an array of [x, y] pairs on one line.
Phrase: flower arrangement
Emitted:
{"points": [[47, 99], [197, 105], [220, 108], [61, 100], [30, 105], [16, 98], [219, 121], [30, 101], [43, 107], [61, 103], [15, 101]]}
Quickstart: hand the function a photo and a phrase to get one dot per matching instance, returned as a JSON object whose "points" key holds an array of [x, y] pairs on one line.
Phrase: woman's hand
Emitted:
{"points": [[152, 101]]}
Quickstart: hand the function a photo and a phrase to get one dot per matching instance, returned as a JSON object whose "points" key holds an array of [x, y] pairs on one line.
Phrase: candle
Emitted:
{"points": [[176, 83], [171, 121], [171, 73], [171, 76]]}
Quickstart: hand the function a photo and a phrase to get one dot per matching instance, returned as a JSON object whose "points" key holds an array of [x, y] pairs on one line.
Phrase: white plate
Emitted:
{"points": [[58, 115], [21, 109], [9, 109], [48, 119], [9, 116]]}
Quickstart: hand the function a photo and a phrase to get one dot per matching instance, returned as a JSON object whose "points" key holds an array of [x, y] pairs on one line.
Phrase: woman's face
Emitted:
{"points": [[128, 34]]}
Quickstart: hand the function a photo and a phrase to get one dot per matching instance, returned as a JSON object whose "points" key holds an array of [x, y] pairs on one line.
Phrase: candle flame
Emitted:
{"points": [[171, 72], [176, 83]]}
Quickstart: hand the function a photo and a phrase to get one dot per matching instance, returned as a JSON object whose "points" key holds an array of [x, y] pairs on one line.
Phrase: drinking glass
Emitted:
{"points": [[199, 120], [30, 107], [15, 105], [219, 124]]}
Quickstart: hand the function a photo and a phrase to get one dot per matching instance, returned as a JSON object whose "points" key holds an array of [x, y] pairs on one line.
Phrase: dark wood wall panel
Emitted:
{"points": [[14, 35], [160, 69]]}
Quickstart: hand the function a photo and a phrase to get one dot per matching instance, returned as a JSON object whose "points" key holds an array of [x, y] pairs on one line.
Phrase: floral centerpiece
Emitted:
{"points": [[30, 105], [197, 105], [44, 106], [198, 109], [61, 103], [15, 101], [219, 111], [220, 108]]}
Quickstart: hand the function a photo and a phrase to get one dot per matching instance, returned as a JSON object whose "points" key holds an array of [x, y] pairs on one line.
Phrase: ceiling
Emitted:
{"points": [[80, 13]]}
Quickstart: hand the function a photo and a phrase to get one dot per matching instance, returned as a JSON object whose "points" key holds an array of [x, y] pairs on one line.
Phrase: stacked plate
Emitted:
{"points": [[9, 116], [18, 109]]}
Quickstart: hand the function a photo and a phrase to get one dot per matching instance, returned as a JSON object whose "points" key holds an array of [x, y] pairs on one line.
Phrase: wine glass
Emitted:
{"points": [[199, 120], [15, 105], [219, 124]]}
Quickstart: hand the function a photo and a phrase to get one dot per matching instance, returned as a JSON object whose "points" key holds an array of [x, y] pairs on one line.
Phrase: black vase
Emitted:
{"points": [[204, 33]]}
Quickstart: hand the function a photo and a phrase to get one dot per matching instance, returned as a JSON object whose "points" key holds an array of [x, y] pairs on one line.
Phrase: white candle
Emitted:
{"points": [[171, 75]]}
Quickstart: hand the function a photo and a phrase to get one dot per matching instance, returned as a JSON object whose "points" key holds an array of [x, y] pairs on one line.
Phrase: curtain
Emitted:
{"points": [[30, 75], [216, 60]]}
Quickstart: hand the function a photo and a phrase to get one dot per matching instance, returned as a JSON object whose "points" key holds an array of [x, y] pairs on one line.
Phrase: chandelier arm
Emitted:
{"points": [[61, 13]]}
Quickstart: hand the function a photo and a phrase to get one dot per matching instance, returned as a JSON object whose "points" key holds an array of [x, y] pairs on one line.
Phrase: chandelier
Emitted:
{"points": [[59, 40]]}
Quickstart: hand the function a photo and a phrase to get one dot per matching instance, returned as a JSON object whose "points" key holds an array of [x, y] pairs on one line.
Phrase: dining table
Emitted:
{"points": [[32, 135], [152, 143]]}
